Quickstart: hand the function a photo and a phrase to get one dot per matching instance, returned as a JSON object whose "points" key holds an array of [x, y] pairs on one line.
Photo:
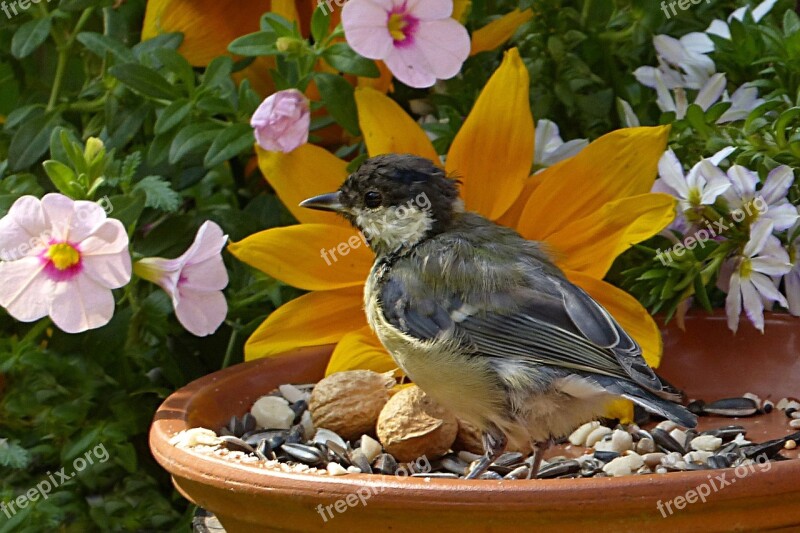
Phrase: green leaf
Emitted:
{"points": [[320, 22], [158, 193], [159, 148], [144, 80], [218, 72], [13, 455], [344, 59], [30, 142], [278, 24], [80, 5], [234, 140], [100, 45], [172, 115], [87, 441], [261, 43], [128, 207], [64, 179], [192, 138], [337, 95], [124, 125], [30, 36], [701, 293], [165, 40], [177, 64], [791, 23]]}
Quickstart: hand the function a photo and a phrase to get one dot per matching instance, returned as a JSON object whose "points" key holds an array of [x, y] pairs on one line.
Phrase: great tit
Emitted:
{"points": [[481, 319]]}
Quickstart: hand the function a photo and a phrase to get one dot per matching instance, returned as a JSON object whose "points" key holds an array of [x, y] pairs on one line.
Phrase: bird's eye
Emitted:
{"points": [[373, 199]]}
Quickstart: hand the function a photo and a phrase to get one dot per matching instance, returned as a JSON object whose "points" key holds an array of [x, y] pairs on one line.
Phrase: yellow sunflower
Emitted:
{"points": [[588, 209]]}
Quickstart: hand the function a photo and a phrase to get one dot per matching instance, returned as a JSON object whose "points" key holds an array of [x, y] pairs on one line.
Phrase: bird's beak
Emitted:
{"points": [[324, 202]]}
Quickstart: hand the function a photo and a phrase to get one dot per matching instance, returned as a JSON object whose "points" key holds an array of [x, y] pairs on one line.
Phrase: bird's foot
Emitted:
{"points": [[536, 459], [494, 443]]}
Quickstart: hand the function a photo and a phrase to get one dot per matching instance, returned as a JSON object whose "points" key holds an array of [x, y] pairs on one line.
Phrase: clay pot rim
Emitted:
{"points": [[172, 417]]}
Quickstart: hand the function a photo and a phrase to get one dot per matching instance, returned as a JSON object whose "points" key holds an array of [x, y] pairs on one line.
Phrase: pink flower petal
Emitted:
{"points": [[109, 271], [70, 220], [445, 45], [201, 313], [208, 242], [108, 238], [365, 24], [408, 66], [24, 291], [430, 9], [80, 305], [210, 275], [23, 229]]}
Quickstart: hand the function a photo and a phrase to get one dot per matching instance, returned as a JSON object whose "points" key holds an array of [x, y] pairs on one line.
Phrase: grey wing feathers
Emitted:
{"points": [[561, 326]]}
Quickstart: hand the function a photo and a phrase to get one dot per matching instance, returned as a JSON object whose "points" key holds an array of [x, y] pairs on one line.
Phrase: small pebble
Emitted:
{"points": [[699, 457], [335, 469], [680, 437], [623, 466], [189, 438], [273, 412], [353, 470], [308, 425], [706, 443], [653, 459], [667, 425], [578, 437], [370, 447], [468, 457], [645, 445], [782, 403], [597, 434], [619, 442], [292, 393], [790, 445], [795, 423]]}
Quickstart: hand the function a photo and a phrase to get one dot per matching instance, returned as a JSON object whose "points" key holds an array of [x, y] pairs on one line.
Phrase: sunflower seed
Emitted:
{"points": [[385, 464], [295, 435], [732, 407], [521, 472], [305, 454], [558, 469], [454, 465], [359, 460], [666, 442], [236, 426], [324, 435], [236, 444], [249, 422]]}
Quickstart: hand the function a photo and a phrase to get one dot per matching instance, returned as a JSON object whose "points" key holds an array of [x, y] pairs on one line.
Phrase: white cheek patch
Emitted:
{"points": [[394, 228]]}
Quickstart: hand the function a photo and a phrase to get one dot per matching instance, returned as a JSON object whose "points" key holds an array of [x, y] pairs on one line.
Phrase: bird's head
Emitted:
{"points": [[395, 200]]}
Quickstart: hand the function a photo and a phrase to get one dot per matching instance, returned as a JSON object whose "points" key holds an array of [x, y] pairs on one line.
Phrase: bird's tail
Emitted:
{"points": [[648, 400]]}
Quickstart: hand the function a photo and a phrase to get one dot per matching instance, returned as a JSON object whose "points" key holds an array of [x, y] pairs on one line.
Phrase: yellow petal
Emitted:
{"points": [[630, 314], [493, 152], [208, 26], [461, 9], [302, 173], [313, 319], [308, 256], [498, 31], [591, 244], [360, 350], [619, 164], [511, 217], [388, 129]]}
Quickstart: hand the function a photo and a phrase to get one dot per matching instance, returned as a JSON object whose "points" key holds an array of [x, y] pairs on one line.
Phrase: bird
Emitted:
{"points": [[482, 320]]}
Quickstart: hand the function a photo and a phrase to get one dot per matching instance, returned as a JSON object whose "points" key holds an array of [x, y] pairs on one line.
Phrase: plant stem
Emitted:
{"points": [[63, 56], [231, 343], [35, 331]]}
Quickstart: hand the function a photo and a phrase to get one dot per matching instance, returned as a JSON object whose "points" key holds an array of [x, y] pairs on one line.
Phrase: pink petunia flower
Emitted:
{"points": [[752, 280], [282, 121], [61, 258], [417, 39], [194, 280]]}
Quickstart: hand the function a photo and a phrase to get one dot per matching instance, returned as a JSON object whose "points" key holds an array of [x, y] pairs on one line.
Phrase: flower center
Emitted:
{"points": [[397, 26], [694, 196], [63, 256], [745, 268]]}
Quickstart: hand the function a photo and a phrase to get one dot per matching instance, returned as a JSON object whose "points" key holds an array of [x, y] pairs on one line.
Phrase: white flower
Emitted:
{"points": [[743, 101], [701, 186], [792, 279], [776, 207], [194, 280], [61, 258], [626, 113], [720, 27], [706, 97], [751, 283], [682, 62], [550, 148]]}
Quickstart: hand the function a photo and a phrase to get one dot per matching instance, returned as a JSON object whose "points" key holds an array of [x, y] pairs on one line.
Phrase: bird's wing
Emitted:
{"points": [[553, 323]]}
